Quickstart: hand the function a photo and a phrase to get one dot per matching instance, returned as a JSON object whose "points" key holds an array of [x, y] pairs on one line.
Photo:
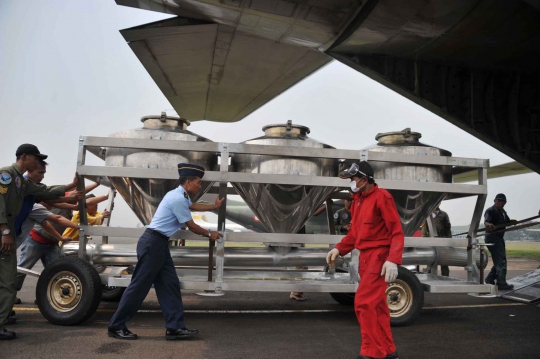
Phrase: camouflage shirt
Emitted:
{"points": [[14, 187]]}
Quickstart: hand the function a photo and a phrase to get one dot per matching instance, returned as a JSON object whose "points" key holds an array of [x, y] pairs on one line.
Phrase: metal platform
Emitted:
{"points": [[439, 284], [526, 288]]}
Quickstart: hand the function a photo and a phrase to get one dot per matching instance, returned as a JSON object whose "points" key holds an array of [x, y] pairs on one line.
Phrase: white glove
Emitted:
{"points": [[391, 271], [331, 256]]}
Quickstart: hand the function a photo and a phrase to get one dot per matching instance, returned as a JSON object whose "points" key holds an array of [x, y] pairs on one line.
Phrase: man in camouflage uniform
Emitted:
{"points": [[441, 221], [342, 217], [13, 188]]}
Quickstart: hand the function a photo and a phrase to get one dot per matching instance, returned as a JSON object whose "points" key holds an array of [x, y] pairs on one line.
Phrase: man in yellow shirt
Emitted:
{"points": [[94, 217]]}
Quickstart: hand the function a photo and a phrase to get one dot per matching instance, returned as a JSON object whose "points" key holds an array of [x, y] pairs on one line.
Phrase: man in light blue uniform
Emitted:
{"points": [[155, 265]]}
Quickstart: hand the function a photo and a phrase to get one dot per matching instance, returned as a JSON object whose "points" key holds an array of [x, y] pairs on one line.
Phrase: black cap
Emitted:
{"points": [[29, 149], [189, 169], [500, 196], [362, 169]]}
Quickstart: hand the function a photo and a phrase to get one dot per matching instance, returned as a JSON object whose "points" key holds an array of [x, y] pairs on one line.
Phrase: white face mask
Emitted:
{"points": [[354, 188]]}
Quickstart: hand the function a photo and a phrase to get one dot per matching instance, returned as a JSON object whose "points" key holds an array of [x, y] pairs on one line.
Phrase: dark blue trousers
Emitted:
{"points": [[498, 255], [155, 266]]}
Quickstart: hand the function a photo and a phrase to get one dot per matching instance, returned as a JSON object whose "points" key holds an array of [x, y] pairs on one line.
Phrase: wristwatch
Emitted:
{"points": [[5, 232], [209, 234]]}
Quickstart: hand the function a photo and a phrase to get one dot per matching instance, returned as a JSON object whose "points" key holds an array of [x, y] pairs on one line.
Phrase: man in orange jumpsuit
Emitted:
{"points": [[376, 231]]}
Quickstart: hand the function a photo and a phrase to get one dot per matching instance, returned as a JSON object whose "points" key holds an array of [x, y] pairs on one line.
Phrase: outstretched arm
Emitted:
{"points": [[50, 229], [55, 218], [195, 228], [199, 207]]}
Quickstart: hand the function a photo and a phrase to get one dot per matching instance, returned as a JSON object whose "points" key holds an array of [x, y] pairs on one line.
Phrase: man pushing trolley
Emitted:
{"points": [[155, 265], [376, 231]]}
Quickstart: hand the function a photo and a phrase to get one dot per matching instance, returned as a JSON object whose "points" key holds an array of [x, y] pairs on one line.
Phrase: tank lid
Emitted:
{"points": [[399, 137], [277, 130], [166, 120]]}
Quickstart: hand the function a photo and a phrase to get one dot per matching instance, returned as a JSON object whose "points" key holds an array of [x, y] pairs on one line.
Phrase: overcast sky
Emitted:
{"points": [[66, 71]]}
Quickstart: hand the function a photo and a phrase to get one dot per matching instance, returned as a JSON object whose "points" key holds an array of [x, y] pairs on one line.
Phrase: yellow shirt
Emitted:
{"points": [[73, 233]]}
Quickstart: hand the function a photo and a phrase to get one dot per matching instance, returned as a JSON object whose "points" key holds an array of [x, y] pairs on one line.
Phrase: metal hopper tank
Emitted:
{"points": [[143, 195], [284, 208], [413, 206]]}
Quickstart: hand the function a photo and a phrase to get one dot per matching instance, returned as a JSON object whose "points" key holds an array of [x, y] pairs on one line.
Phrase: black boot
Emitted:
{"points": [[392, 356], [7, 334], [121, 334], [173, 334]]}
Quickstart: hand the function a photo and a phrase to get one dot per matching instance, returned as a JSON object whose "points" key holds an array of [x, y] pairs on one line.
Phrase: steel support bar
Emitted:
{"points": [[81, 160], [135, 233], [473, 273], [28, 272], [330, 216], [280, 179], [110, 206], [271, 237], [334, 239], [281, 151]]}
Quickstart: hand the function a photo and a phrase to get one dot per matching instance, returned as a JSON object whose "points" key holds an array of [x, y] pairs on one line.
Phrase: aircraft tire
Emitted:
{"points": [[68, 291]]}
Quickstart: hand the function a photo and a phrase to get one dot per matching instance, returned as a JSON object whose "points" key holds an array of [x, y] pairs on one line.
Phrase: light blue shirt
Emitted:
{"points": [[172, 212]]}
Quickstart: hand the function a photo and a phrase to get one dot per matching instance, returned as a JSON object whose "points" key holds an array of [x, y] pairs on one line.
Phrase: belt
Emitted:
{"points": [[157, 234]]}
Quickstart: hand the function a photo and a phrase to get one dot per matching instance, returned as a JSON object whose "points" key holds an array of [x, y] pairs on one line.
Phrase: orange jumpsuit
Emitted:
{"points": [[376, 231]]}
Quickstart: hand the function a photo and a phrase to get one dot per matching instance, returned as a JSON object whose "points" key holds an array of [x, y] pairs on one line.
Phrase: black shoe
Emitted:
{"points": [[489, 281], [121, 334], [173, 334], [7, 335], [9, 321], [392, 356], [505, 286], [11, 314], [18, 301]]}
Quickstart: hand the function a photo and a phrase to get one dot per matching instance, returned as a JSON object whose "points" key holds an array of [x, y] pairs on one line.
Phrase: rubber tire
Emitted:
{"points": [[91, 291], [344, 298], [111, 295], [418, 298]]}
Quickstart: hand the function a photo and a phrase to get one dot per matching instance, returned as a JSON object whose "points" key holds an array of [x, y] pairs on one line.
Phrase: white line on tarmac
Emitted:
{"points": [[475, 306], [210, 311]]}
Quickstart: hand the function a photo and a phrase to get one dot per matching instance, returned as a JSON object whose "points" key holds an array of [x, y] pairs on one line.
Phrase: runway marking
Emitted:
{"points": [[475, 306], [270, 311]]}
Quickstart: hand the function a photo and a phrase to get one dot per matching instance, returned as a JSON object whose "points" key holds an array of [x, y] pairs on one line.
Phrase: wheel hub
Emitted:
{"points": [[64, 291], [399, 297]]}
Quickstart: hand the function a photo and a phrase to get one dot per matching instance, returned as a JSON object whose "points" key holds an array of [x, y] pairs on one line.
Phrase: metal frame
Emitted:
{"points": [[221, 278]]}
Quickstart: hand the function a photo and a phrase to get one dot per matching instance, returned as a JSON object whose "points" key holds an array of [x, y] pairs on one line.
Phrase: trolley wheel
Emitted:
{"points": [[111, 294], [68, 291], [405, 297], [343, 298]]}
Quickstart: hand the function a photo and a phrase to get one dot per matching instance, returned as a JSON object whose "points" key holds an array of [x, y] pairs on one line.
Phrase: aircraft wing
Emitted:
{"points": [[215, 72], [504, 170]]}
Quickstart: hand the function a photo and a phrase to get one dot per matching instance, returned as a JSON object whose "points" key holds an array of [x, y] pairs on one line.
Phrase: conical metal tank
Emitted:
{"points": [[284, 208], [413, 206], [143, 195]]}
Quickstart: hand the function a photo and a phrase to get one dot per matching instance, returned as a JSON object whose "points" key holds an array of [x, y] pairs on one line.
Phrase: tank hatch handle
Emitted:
{"points": [[289, 126]]}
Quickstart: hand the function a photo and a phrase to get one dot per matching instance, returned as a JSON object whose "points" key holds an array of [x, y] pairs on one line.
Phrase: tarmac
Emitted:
{"points": [[270, 325]]}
